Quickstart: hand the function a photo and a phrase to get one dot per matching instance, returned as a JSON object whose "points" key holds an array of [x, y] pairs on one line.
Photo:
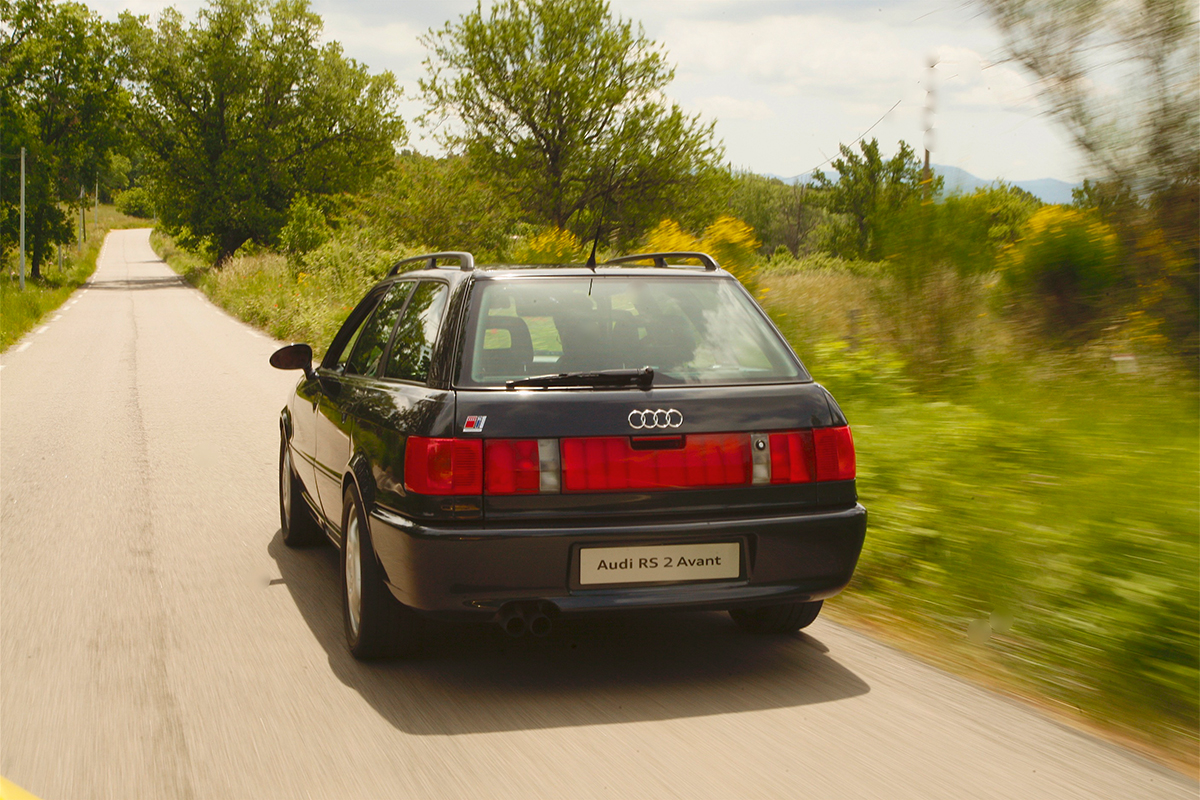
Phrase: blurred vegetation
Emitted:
{"points": [[551, 246], [1056, 487], [730, 241]]}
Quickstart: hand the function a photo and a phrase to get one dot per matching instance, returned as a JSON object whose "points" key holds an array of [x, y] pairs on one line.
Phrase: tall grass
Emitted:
{"points": [[302, 301], [1044, 490]]}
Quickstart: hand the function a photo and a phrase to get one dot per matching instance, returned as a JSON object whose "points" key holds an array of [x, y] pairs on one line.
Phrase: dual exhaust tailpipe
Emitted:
{"points": [[534, 616]]}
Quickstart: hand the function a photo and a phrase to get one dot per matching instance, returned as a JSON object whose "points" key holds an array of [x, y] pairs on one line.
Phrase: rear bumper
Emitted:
{"points": [[472, 572]]}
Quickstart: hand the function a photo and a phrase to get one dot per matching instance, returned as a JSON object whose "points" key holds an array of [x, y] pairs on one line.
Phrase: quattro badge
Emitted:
{"points": [[474, 424]]}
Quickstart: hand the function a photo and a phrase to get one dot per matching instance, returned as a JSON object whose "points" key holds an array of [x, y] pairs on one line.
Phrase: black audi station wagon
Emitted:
{"points": [[524, 444]]}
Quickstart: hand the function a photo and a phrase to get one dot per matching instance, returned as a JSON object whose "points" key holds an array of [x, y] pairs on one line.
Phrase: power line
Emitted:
{"points": [[856, 141]]}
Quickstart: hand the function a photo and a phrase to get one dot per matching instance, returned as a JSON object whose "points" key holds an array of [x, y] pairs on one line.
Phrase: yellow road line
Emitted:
{"points": [[10, 791]]}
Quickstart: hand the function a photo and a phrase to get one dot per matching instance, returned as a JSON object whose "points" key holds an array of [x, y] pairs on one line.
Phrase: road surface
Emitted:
{"points": [[157, 639]]}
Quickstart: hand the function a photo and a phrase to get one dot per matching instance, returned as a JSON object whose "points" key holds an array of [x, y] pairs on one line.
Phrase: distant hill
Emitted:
{"points": [[1048, 190]]}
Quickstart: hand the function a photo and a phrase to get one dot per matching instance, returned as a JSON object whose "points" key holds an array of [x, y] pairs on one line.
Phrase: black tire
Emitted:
{"points": [[787, 618], [377, 625], [295, 518]]}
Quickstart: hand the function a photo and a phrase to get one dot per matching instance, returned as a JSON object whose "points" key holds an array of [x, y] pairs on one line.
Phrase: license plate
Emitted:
{"points": [[660, 562]]}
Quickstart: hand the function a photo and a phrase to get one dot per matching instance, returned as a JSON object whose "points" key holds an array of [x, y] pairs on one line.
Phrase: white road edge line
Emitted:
{"points": [[22, 347], [42, 329]]}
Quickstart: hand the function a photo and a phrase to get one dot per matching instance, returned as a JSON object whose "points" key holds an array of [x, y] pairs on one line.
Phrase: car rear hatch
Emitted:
{"points": [[561, 457]]}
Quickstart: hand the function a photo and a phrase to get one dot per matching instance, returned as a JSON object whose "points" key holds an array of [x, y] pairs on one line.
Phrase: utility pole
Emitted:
{"points": [[96, 214], [79, 240], [930, 95], [22, 219]]}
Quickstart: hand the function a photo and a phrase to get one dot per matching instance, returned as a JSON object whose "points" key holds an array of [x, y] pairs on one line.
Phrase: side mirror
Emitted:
{"points": [[294, 356]]}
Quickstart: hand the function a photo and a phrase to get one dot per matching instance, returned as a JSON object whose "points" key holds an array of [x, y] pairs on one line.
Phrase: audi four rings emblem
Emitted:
{"points": [[655, 418]]}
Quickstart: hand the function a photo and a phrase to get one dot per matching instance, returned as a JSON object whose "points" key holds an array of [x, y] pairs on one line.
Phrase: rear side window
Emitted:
{"points": [[417, 333], [347, 338], [691, 331], [373, 338]]}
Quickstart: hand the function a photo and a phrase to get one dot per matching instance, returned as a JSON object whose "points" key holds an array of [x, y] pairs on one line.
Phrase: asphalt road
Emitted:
{"points": [[158, 640]]}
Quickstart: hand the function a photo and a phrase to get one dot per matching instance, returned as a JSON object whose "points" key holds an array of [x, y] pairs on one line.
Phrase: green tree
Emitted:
{"points": [[783, 215], [562, 104], [442, 204], [242, 110], [869, 190], [61, 101]]}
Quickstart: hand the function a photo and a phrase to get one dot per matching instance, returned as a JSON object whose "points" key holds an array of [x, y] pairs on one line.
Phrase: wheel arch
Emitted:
{"points": [[358, 473]]}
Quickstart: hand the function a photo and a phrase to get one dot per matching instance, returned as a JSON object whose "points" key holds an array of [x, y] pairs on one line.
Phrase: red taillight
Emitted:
{"points": [[792, 457], [622, 463], [443, 466], [835, 454], [511, 466], [611, 464]]}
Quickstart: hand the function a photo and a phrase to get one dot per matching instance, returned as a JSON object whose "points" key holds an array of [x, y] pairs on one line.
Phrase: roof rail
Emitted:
{"points": [[660, 259], [466, 261]]}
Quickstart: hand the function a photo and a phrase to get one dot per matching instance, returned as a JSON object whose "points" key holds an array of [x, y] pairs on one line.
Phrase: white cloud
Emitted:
{"points": [[966, 80], [724, 107], [394, 43], [795, 54]]}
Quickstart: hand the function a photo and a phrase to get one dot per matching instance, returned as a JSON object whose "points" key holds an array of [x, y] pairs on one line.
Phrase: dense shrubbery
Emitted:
{"points": [[730, 241], [1064, 264], [1022, 488], [135, 202]]}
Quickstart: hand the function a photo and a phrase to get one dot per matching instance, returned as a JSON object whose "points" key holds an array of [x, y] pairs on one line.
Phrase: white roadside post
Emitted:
{"points": [[22, 219]]}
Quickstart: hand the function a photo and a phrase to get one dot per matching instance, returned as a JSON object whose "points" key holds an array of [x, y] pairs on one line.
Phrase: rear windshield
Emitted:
{"points": [[690, 330]]}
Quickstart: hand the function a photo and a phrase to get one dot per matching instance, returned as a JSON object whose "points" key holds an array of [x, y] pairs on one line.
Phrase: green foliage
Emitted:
{"points": [[782, 215], [61, 100], [306, 305], [1035, 499], [1139, 124], [869, 191], [1026, 491], [442, 204], [244, 109], [1112, 200], [784, 263], [1065, 263], [135, 202], [561, 105], [306, 230]]}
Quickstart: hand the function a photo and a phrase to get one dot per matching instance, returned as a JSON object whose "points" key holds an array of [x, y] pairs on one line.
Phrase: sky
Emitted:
{"points": [[786, 81]]}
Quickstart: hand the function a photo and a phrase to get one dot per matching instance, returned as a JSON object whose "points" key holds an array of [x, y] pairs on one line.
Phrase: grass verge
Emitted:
{"points": [[21, 311]]}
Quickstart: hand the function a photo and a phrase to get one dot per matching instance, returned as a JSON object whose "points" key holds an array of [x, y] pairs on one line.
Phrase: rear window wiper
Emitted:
{"points": [[642, 378]]}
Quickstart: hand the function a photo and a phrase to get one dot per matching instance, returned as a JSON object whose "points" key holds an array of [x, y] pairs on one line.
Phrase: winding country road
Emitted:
{"points": [[157, 639]]}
